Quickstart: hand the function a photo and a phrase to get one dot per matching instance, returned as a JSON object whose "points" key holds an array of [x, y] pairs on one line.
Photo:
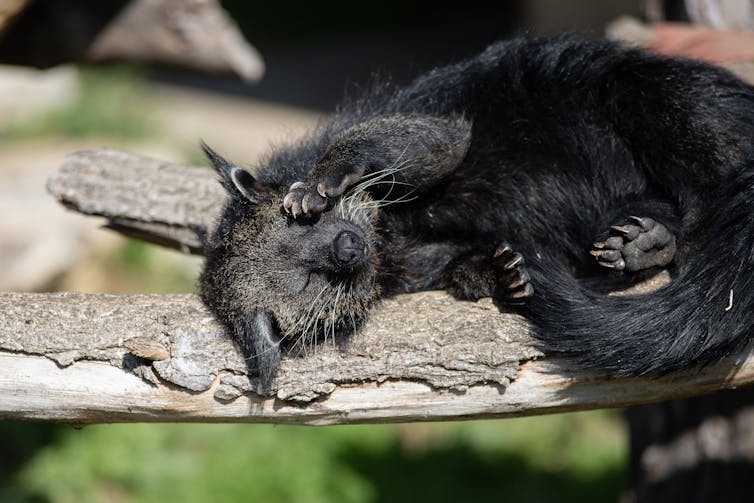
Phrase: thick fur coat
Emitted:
{"points": [[542, 172]]}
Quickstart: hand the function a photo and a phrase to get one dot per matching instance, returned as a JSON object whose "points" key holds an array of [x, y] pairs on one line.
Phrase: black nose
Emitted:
{"points": [[348, 249]]}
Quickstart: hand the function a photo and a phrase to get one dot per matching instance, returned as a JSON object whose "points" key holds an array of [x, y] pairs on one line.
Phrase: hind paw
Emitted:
{"points": [[513, 282], [639, 244]]}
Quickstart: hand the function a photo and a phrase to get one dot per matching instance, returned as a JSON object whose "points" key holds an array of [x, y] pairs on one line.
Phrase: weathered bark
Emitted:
{"points": [[429, 337], [153, 200], [429, 345], [104, 358]]}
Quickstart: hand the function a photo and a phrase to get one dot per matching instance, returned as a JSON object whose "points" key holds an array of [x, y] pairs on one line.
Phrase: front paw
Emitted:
{"points": [[311, 198], [303, 199], [513, 283]]}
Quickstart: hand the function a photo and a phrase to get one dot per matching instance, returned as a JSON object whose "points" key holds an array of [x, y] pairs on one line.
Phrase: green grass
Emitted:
{"points": [[111, 104], [573, 457]]}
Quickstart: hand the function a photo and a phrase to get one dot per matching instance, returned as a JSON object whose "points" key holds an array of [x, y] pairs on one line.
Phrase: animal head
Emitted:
{"points": [[277, 282]]}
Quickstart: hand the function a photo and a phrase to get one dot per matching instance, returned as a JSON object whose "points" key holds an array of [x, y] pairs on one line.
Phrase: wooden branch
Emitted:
{"points": [[94, 358], [153, 200], [8, 11], [197, 34], [102, 358]]}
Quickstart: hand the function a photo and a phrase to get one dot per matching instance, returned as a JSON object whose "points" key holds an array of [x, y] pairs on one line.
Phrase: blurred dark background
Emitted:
{"points": [[314, 51]]}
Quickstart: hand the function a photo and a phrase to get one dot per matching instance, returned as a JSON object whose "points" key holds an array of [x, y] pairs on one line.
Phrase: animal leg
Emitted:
{"points": [[400, 154]]}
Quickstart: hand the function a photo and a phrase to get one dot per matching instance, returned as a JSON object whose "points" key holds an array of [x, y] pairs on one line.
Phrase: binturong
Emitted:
{"points": [[287, 277], [543, 173]]}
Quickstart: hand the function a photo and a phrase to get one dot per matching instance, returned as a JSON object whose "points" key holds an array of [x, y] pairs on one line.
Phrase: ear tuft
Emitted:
{"points": [[218, 162], [238, 182]]}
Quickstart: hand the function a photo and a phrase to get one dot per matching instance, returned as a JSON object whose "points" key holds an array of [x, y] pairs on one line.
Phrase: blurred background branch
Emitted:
{"points": [[195, 34]]}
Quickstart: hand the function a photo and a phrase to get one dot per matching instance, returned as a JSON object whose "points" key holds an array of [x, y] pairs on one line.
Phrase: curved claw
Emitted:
{"points": [[291, 204], [503, 248], [521, 294], [518, 260], [295, 210], [523, 278], [608, 255], [618, 265], [288, 202], [630, 231], [644, 222], [613, 243]]}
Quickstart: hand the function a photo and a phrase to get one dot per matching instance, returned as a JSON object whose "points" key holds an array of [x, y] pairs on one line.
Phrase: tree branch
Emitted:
{"points": [[102, 358], [155, 201]]}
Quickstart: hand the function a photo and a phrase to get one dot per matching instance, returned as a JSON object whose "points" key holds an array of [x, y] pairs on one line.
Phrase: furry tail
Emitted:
{"points": [[700, 317]]}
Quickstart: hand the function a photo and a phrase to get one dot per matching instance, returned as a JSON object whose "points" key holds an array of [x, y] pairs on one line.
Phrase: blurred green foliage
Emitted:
{"points": [[571, 457], [139, 267], [110, 104]]}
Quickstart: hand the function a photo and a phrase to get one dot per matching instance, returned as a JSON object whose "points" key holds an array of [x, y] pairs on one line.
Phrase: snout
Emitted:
{"points": [[348, 249]]}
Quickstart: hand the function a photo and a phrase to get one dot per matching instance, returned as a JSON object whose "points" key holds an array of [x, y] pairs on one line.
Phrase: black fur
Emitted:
{"points": [[543, 145]]}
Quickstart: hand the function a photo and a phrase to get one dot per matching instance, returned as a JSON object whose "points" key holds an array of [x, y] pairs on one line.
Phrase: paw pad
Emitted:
{"points": [[639, 244]]}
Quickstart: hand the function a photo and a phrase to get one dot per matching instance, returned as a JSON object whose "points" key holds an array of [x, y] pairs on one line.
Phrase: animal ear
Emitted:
{"points": [[238, 182]]}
